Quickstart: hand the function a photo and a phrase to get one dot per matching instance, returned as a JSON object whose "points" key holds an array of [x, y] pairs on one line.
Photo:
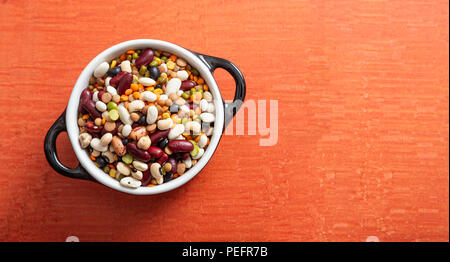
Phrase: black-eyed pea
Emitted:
{"points": [[156, 173], [95, 153], [111, 157]]}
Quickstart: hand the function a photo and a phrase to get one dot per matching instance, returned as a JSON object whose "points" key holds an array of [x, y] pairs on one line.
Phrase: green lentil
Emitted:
{"points": [[194, 151], [106, 169], [184, 120], [164, 58], [147, 74], [129, 57], [135, 55], [127, 159], [157, 54]]}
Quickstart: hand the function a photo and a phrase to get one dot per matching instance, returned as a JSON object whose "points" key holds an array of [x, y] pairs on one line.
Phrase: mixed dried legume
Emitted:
{"points": [[146, 117]]}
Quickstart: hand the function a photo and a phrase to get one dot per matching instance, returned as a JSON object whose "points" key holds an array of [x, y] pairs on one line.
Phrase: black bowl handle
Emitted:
{"points": [[50, 152], [230, 108]]}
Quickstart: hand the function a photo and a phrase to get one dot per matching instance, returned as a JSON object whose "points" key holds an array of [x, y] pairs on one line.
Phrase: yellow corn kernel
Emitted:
{"points": [[158, 91], [166, 115], [123, 98], [136, 95], [113, 63], [128, 92], [150, 89]]}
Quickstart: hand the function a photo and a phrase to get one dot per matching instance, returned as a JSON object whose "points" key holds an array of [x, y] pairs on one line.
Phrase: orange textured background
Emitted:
{"points": [[363, 147]]}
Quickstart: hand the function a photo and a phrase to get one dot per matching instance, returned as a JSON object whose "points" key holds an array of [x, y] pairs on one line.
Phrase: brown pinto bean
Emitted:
{"points": [[92, 128], [137, 153], [173, 162], [155, 152], [163, 159], [115, 80], [187, 85], [124, 83], [138, 132], [118, 146], [144, 58], [89, 106], [180, 146], [158, 135]]}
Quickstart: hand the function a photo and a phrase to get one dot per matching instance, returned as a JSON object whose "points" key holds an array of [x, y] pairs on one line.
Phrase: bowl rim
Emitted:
{"points": [[81, 84]]}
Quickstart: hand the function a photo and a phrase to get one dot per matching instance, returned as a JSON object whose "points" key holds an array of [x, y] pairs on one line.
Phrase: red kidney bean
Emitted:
{"points": [[162, 159], [158, 135], [137, 153], [155, 152], [180, 146], [146, 177], [86, 94], [173, 162], [100, 94], [115, 80], [187, 85], [125, 83], [92, 128], [89, 106], [185, 155], [144, 58], [81, 109]]}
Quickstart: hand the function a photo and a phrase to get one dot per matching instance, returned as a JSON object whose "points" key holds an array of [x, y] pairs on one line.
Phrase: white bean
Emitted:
{"points": [[165, 124], [173, 85], [152, 114], [193, 126], [141, 166], [96, 144], [207, 117], [188, 162], [203, 105], [111, 90], [202, 141], [123, 169], [136, 105], [106, 139], [107, 80], [182, 75], [147, 81], [101, 69], [125, 66], [95, 96], [211, 108], [100, 106], [130, 182], [148, 96], [124, 115], [126, 130], [207, 96], [176, 131]]}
